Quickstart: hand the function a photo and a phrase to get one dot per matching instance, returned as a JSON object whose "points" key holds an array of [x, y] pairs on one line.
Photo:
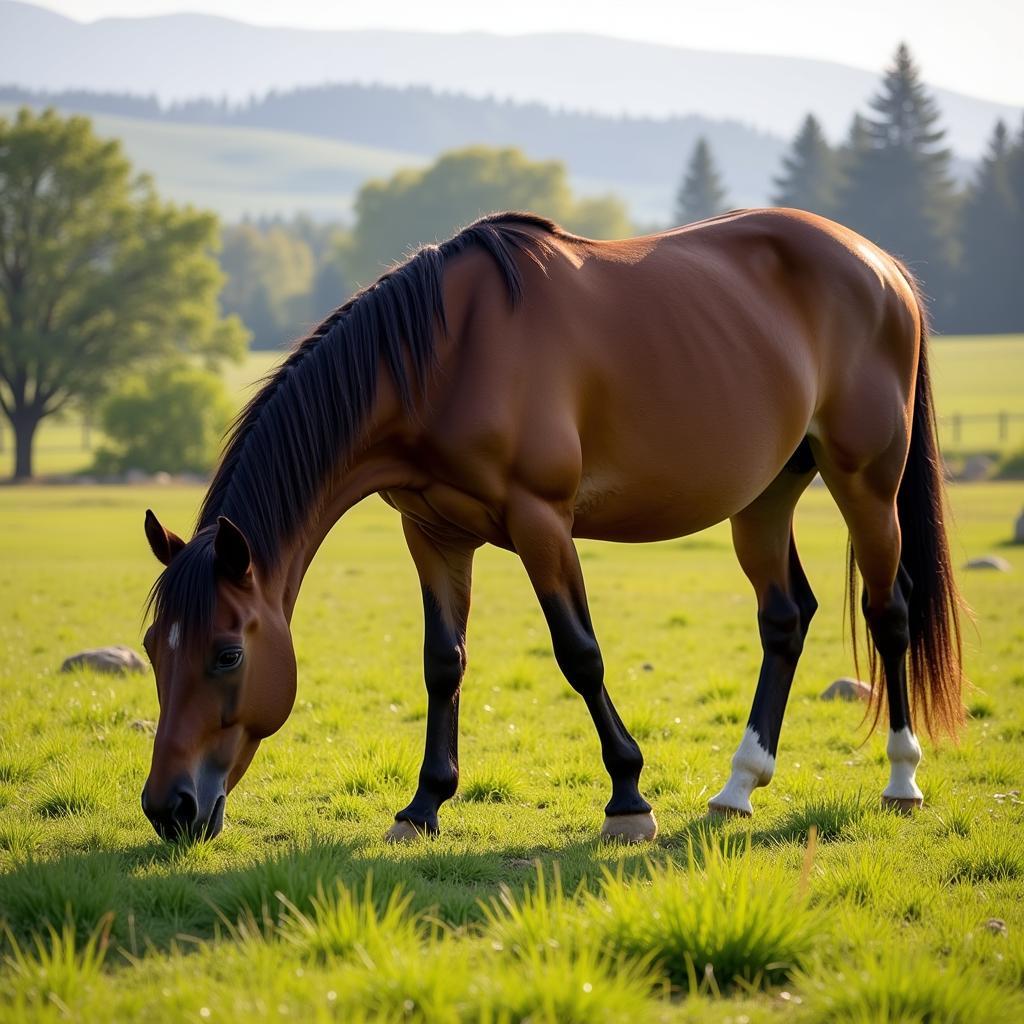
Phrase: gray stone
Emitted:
{"points": [[1018, 529], [848, 689], [988, 562], [116, 659]]}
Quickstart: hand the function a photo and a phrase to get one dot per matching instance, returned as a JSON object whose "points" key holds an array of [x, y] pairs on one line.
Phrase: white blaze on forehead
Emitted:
{"points": [[752, 766], [174, 635]]}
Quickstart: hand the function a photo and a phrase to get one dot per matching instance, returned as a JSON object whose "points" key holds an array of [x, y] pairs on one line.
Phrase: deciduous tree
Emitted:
{"points": [[96, 273]]}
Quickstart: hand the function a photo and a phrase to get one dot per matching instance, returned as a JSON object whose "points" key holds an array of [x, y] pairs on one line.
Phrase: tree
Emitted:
{"points": [[898, 189], [172, 420], [810, 172], [701, 193], [415, 207], [992, 272], [95, 273], [270, 274]]}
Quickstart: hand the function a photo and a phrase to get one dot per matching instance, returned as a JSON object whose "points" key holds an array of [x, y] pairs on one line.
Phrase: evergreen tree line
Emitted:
{"points": [[890, 180]]}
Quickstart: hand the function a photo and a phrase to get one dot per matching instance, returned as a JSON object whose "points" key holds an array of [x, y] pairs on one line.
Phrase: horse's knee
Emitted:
{"points": [[443, 669], [782, 624], [583, 667]]}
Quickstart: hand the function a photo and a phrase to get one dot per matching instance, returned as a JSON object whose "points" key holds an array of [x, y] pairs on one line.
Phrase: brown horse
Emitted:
{"points": [[521, 386]]}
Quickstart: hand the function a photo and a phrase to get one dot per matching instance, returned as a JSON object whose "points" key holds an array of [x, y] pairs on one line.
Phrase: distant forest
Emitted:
{"points": [[420, 120], [892, 178]]}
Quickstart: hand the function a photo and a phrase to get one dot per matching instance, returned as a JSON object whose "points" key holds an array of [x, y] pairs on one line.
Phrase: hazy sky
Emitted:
{"points": [[974, 46]]}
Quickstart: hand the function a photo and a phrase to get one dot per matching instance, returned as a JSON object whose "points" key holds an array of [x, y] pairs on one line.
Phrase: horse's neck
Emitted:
{"points": [[377, 469]]}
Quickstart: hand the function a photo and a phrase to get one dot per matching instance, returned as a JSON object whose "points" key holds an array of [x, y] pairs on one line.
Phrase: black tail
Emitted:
{"points": [[935, 676]]}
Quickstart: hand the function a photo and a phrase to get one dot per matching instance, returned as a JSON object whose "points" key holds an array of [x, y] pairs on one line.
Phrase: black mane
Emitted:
{"points": [[308, 416]]}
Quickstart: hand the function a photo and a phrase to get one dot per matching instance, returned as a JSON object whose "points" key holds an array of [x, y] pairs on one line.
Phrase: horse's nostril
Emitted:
{"points": [[184, 809]]}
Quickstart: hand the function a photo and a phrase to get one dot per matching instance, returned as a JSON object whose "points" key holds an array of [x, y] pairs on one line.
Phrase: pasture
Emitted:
{"points": [[300, 911]]}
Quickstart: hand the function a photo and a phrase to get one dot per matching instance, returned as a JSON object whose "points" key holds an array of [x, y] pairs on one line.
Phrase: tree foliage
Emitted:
{"points": [[898, 190], [96, 273], [701, 193], [415, 207], [810, 176], [171, 420], [989, 289]]}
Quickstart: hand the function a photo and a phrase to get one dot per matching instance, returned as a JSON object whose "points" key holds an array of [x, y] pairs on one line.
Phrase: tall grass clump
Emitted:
{"points": [[540, 917], [495, 784], [717, 923], [54, 967], [70, 790], [551, 986], [901, 986], [341, 924], [376, 770], [831, 814], [988, 856]]}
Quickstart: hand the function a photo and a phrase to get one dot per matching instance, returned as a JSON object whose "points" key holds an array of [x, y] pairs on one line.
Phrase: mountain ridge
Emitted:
{"points": [[185, 55]]}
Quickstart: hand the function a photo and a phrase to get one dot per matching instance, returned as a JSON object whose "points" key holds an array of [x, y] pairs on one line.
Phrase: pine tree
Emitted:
{"points": [[811, 175], [898, 190], [990, 293], [701, 193]]}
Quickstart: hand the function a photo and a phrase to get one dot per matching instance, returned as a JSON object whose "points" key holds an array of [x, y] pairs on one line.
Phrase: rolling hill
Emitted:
{"points": [[188, 55]]}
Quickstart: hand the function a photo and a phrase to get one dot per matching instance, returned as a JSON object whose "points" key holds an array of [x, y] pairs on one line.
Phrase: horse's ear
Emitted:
{"points": [[165, 544], [233, 558]]}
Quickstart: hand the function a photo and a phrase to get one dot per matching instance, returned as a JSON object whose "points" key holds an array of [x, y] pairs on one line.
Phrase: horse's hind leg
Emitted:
{"points": [[763, 538], [543, 540], [867, 500]]}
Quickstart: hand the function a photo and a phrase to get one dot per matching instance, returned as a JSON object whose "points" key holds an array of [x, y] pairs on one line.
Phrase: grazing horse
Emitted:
{"points": [[521, 386]]}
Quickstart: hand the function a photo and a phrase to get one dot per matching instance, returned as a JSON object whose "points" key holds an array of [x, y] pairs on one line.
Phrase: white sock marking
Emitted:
{"points": [[904, 756], [752, 766]]}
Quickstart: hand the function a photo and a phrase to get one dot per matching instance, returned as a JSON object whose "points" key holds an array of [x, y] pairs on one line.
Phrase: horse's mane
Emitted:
{"points": [[307, 418]]}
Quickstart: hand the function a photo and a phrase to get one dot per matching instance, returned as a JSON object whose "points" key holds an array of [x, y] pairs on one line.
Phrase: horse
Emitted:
{"points": [[522, 386]]}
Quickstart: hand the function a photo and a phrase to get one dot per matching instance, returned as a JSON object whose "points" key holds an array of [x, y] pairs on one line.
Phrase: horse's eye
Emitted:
{"points": [[228, 659]]}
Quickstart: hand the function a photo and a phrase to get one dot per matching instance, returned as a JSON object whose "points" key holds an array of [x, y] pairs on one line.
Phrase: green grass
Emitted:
{"points": [[515, 912], [972, 375]]}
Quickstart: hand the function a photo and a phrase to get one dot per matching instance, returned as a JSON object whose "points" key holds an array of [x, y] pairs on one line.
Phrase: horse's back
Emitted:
{"points": [[660, 383]]}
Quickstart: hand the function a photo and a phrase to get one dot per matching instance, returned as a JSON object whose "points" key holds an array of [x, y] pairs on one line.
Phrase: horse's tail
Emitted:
{"points": [[935, 677]]}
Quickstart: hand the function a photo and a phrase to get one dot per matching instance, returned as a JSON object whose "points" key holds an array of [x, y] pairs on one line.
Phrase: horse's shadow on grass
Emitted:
{"points": [[158, 893]]}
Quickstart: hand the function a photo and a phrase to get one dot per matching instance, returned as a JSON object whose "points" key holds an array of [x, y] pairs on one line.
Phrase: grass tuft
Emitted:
{"points": [[711, 927], [495, 784], [988, 856], [68, 791], [898, 986], [832, 814]]}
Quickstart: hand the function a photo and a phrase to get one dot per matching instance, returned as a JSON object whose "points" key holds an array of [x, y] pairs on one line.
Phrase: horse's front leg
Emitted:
{"points": [[445, 572], [543, 540]]}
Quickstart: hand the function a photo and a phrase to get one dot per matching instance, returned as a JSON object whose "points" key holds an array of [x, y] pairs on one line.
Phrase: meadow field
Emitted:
{"points": [[823, 907]]}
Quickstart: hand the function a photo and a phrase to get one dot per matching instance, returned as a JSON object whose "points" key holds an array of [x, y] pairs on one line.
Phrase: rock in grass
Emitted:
{"points": [[1018, 529], [115, 660], [848, 689], [988, 562], [996, 925]]}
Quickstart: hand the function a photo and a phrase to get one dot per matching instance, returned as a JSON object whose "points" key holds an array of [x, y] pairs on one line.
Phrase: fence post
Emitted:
{"points": [[957, 418], [1003, 425]]}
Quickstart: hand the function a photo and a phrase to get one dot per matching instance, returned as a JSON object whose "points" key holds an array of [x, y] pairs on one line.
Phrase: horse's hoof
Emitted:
{"points": [[716, 810], [903, 804], [629, 828], [404, 832]]}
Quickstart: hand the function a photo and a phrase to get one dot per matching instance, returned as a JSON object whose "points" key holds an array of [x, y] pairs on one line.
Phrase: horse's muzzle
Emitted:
{"points": [[179, 816]]}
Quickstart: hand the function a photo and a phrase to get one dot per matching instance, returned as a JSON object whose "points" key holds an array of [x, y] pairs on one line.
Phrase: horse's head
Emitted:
{"points": [[225, 675]]}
